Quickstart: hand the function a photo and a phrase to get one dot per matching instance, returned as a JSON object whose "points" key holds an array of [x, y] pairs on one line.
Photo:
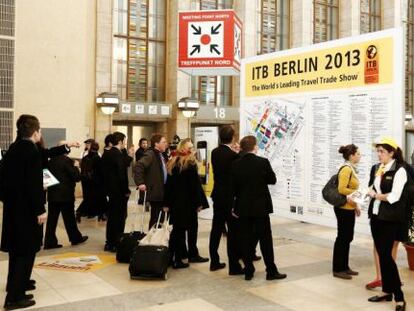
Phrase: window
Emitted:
{"points": [[409, 77], [214, 90], [7, 17], [370, 15], [138, 68], [273, 25], [6, 129], [211, 4], [6, 73], [7, 30], [325, 20]]}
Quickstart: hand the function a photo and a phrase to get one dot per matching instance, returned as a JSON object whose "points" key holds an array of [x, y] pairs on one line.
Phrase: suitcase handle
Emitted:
{"points": [[134, 223]]}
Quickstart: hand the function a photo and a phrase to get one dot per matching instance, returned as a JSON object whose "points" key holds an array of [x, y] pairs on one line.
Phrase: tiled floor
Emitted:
{"points": [[302, 251]]}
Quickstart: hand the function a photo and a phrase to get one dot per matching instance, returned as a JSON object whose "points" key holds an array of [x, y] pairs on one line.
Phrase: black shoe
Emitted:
{"points": [[256, 258], [180, 265], [33, 282], [236, 272], [52, 246], [30, 287], [82, 240], [351, 272], [198, 259], [275, 276], [342, 275], [21, 304], [248, 276], [102, 218], [400, 307], [110, 248], [28, 296], [218, 266], [387, 297]]}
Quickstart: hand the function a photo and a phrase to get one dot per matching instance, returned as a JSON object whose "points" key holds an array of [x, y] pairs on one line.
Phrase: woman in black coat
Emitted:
{"points": [[98, 202], [183, 196]]}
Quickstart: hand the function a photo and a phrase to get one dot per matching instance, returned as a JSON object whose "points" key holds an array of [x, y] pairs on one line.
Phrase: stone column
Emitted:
{"points": [[178, 84], [392, 12], [349, 18], [301, 23], [103, 123]]}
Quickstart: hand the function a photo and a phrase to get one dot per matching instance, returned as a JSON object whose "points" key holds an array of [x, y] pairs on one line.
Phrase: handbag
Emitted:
{"points": [[159, 234], [330, 191]]}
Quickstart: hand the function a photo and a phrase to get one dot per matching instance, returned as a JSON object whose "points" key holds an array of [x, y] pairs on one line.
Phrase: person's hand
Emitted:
{"points": [[142, 187], [357, 211], [372, 193], [131, 151], [199, 209], [233, 214], [41, 219], [350, 201], [74, 144], [166, 209]]}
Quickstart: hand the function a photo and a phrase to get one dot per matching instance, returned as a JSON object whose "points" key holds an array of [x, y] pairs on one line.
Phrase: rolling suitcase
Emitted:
{"points": [[151, 258], [149, 261], [131, 239]]}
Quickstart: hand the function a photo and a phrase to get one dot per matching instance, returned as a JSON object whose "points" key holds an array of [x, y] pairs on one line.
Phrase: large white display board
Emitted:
{"points": [[303, 104]]}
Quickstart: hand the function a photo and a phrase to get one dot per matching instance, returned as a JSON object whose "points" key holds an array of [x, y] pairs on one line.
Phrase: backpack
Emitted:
{"points": [[330, 191]]}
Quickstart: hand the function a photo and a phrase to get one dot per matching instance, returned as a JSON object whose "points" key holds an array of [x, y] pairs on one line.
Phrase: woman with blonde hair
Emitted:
{"points": [[183, 196]]}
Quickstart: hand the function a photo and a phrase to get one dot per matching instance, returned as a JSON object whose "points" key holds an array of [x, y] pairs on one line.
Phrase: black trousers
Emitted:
{"points": [[156, 208], [345, 235], [117, 214], [68, 214], [222, 217], [192, 235], [177, 244], [384, 234], [253, 229], [20, 270]]}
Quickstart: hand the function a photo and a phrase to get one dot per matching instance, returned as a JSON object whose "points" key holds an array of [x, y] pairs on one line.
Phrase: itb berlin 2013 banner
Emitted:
{"points": [[303, 104]]}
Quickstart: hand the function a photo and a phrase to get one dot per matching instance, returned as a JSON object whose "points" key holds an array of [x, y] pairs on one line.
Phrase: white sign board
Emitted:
{"points": [[303, 104]]}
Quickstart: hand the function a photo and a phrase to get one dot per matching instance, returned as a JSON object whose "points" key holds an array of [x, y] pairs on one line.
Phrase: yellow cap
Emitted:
{"points": [[387, 141]]}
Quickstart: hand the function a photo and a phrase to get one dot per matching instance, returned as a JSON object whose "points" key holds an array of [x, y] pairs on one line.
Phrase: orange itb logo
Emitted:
{"points": [[371, 65]]}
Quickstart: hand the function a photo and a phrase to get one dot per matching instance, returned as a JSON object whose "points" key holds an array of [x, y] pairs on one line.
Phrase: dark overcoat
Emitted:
{"points": [[22, 179]]}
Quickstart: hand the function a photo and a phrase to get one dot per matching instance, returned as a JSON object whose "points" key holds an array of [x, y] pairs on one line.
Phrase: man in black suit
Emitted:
{"points": [[221, 158], [61, 199], [116, 185], [143, 146], [23, 212], [251, 176]]}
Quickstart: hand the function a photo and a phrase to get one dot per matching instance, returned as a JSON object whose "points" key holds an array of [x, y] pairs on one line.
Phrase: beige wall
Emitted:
{"points": [[55, 64]]}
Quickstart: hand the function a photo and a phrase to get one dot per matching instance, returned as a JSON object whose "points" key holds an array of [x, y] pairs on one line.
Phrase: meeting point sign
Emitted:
{"points": [[210, 42], [358, 61]]}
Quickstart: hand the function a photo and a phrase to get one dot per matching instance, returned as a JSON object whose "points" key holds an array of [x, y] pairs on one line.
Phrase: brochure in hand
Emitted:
{"points": [[48, 179]]}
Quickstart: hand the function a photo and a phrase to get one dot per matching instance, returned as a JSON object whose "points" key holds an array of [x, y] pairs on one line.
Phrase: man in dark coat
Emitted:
{"points": [[150, 174], [251, 176], [222, 158], [61, 199], [143, 146], [116, 185], [23, 212]]}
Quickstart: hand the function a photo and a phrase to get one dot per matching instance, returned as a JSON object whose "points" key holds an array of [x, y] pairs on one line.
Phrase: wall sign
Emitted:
{"points": [[210, 42]]}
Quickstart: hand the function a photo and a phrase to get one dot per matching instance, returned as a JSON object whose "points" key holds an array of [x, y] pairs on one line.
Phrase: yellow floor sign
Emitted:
{"points": [[77, 262]]}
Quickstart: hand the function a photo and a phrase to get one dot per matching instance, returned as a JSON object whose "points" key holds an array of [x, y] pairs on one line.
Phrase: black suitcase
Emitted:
{"points": [[149, 261], [126, 245], [129, 240]]}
